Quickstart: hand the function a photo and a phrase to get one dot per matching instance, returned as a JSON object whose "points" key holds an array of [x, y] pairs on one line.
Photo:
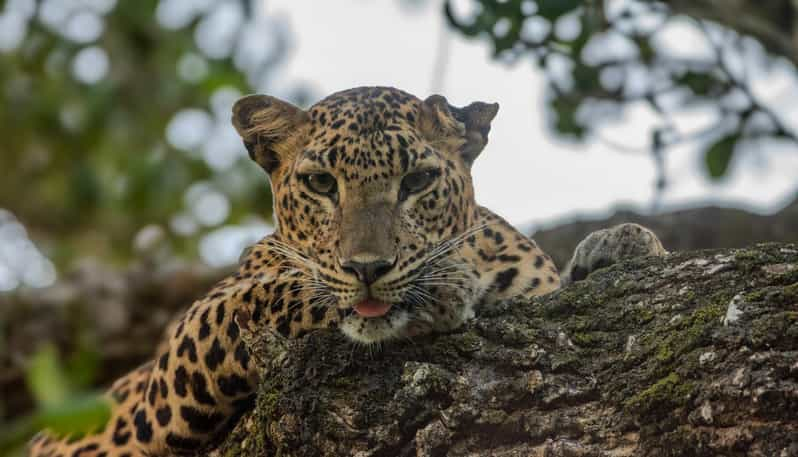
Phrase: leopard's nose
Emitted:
{"points": [[367, 272]]}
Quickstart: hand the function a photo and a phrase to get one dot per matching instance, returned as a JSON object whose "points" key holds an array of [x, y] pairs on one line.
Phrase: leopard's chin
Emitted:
{"points": [[370, 330]]}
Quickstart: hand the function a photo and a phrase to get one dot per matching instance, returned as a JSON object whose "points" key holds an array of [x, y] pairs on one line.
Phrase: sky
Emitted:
{"points": [[526, 173]]}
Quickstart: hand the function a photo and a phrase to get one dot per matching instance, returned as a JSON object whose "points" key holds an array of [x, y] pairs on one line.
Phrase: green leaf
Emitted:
{"points": [[46, 379], [586, 77], [82, 366], [553, 9], [718, 156], [699, 83], [59, 409], [78, 414], [565, 122]]}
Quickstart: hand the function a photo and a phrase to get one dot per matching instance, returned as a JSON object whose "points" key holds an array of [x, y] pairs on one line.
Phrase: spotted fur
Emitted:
{"points": [[429, 253], [607, 246]]}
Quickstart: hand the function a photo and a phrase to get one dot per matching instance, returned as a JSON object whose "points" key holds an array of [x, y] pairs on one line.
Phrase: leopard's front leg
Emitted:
{"points": [[203, 377], [508, 264]]}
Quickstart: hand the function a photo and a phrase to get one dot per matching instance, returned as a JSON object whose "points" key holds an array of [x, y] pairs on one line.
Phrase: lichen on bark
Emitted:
{"points": [[692, 354]]}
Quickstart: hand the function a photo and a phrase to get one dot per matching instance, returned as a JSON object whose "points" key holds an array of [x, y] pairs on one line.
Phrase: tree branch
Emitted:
{"points": [[693, 354], [772, 23]]}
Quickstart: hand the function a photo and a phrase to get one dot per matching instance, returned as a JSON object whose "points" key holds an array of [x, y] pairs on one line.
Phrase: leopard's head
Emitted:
{"points": [[372, 199]]}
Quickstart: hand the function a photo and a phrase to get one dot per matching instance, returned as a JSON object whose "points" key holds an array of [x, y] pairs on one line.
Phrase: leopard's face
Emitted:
{"points": [[373, 194]]}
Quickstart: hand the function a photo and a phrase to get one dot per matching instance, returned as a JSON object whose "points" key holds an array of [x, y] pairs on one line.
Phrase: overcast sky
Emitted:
{"points": [[526, 173]]}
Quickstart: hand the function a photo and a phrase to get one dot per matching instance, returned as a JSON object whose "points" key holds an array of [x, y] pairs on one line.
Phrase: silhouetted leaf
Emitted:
{"points": [[565, 121], [553, 9], [718, 156], [699, 83]]}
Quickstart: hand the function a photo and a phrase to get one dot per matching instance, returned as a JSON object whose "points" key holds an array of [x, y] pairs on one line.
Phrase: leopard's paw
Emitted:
{"points": [[605, 247]]}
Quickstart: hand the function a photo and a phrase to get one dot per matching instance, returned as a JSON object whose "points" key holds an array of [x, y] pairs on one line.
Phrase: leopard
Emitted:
{"points": [[377, 235]]}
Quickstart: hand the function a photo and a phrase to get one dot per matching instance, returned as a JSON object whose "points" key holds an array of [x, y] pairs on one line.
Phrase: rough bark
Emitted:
{"points": [[695, 354], [684, 230]]}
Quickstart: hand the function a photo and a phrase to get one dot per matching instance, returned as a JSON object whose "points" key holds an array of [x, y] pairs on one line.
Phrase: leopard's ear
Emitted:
{"points": [[271, 128], [462, 129]]}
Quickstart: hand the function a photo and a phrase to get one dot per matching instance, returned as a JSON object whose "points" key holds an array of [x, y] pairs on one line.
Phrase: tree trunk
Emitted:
{"points": [[692, 354]]}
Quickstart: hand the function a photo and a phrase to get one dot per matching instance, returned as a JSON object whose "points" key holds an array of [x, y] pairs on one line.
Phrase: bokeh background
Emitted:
{"points": [[125, 192]]}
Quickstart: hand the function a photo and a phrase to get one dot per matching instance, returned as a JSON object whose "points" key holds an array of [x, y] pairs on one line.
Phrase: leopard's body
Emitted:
{"points": [[378, 234]]}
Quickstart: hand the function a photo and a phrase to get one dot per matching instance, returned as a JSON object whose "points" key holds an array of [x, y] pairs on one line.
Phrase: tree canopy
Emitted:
{"points": [[600, 57], [116, 117]]}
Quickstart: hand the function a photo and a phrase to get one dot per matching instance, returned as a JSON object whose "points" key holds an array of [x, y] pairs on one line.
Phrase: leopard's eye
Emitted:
{"points": [[416, 182], [321, 183]]}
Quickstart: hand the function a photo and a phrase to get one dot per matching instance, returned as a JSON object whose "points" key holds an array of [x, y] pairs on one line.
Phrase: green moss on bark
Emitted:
{"points": [[649, 357], [669, 392]]}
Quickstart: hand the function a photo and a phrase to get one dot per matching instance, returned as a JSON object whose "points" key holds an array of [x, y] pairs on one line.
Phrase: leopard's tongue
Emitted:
{"points": [[372, 308]]}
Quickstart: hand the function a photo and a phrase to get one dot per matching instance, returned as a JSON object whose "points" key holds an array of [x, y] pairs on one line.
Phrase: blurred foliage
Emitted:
{"points": [[96, 151], [85, 164], [64, 406], [602, 56]]}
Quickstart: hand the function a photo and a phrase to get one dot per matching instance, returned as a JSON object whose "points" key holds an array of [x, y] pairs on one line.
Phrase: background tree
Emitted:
{"points": [[116, 116], [600, 57], [115, 135]]}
